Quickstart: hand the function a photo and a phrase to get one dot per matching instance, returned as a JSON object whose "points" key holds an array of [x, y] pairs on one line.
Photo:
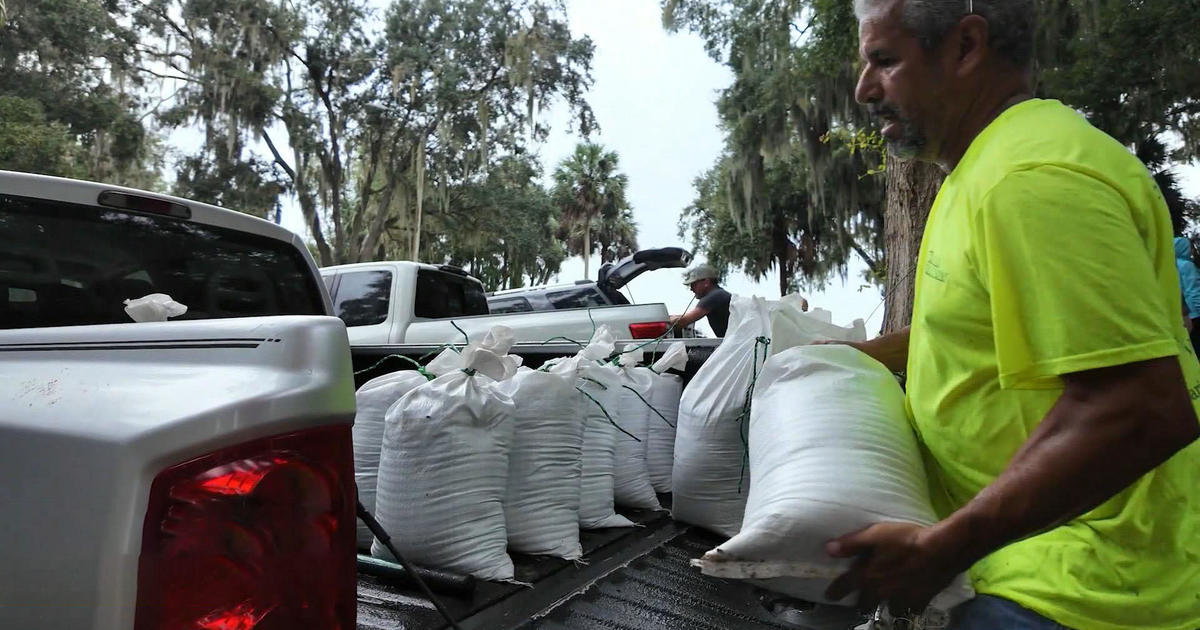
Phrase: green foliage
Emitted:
{"points": [[69, 63], [388, 117], [1134, 70], [801, 241], [28, 142], [790, 110], [503, 229], [869, 142], [246, 185], [1132, 67], [221, 59], [589, 189]]}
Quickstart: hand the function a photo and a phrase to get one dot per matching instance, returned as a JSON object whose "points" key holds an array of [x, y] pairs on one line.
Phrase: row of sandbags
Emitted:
{"points": [[489, 456], [783, 445]]}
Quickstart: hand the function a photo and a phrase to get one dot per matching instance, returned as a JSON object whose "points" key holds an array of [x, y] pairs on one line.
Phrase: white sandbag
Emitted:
{"points": [[664, 397], [443, 469], [597, 394], [831, 452], [596, 488], [541, 507], [372, 401], [710, 479], [631, 479], [791, 326]]}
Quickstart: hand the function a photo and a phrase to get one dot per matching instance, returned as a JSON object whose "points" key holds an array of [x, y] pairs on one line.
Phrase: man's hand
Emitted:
{"points": [[900, 563], [890, 350]]}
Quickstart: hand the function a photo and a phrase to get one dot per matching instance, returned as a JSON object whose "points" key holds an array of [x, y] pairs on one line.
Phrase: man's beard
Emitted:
{"points": [[910, 143]]}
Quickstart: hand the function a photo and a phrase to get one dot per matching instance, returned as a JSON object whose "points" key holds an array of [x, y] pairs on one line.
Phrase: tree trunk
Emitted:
{"points": [[911, 189], [419, 168], [587, 246]]}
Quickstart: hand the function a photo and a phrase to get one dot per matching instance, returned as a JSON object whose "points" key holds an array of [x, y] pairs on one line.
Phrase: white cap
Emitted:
{"points": [[700, 272]]}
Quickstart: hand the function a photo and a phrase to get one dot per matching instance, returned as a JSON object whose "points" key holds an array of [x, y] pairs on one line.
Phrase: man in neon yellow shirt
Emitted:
{"points": [[1058, 423]]}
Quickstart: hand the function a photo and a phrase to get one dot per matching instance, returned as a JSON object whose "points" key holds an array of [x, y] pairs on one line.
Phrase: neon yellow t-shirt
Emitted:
{"points": [[1049, 251]]}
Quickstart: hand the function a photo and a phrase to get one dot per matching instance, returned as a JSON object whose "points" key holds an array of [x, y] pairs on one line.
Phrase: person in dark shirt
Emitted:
{"points": [[713, 300]]}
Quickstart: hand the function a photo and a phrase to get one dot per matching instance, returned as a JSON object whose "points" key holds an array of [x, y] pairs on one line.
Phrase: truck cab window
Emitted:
{"points": [[363, 297], [64, 264], [442, 294]]}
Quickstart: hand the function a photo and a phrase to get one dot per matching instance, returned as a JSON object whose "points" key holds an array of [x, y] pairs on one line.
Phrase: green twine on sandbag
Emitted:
{"points": [[656, 412], [433, 352], [594, 381], [567, 339], [605, 411], [744, 417], [464, 333], [420, 368]]}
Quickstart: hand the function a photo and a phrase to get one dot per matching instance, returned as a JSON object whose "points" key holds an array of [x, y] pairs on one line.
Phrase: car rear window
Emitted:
{"points": [[582, 297], [362, 297], [441, 294], [68, 264], [509, 305]]}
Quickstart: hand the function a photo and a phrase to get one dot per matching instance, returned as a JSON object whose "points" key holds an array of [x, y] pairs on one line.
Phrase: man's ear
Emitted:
{"points": [[970, 41]]}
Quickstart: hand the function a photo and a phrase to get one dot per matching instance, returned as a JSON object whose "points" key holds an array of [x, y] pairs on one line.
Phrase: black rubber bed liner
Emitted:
{"points": [[632, 579]]}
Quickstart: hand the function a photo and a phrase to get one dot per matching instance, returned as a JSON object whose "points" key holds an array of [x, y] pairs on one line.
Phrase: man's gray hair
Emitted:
{"points": [[1010, 23]]}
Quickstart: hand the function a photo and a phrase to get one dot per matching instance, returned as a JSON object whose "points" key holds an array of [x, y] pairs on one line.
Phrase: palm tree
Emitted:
{"points": [[588, 188], [615, 236]]}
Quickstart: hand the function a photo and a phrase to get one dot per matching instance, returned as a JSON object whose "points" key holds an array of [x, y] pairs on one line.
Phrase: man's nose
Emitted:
{"points": [[868, 89]]}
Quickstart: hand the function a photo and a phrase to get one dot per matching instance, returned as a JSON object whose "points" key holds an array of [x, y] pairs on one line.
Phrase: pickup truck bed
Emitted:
{"points": [[629, 579]]}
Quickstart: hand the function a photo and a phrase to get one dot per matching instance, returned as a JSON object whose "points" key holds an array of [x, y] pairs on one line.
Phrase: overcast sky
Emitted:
{"points": [[654, 97]]}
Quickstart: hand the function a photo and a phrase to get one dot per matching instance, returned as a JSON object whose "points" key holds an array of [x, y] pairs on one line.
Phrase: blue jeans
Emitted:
{"points": [[987, 612]]}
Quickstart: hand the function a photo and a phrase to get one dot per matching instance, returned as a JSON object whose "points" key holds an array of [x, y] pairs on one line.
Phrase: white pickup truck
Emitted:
{"points": [[183, 474], [401, 302]]}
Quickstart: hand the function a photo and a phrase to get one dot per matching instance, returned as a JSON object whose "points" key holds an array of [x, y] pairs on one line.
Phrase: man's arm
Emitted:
{"points": [[687, 319], [1109, 427], [891, 349]]}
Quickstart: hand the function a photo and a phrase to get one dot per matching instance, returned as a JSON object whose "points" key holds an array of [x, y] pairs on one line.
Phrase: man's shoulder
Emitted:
{"points": [[718, 297], [1049, 146], [1046, 133]]}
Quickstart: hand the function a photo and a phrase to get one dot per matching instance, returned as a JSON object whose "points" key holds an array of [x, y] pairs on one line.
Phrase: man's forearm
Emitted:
{"points": [[690, 317], [1108, 428], [890, 349]]}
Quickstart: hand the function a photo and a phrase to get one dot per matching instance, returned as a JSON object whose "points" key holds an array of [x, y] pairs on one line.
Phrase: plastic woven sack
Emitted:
{"points": [[541, 507], [791, 326], [665, 392], [831, 452], [443, 469], [373, 400], [631, 479], [710, 479], [597, 394]]}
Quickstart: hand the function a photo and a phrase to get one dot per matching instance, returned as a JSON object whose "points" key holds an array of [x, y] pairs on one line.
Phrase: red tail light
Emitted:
{"points": [[648, 330], [259, 536]]}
